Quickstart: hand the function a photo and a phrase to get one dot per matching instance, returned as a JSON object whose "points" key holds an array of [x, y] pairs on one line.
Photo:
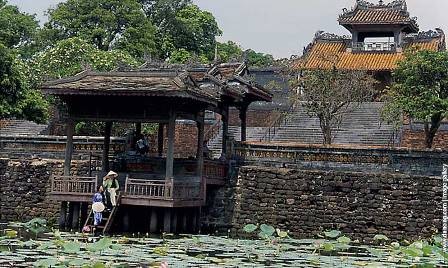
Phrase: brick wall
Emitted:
{"points": [[255, 118], [416, 139], [358, 204]]}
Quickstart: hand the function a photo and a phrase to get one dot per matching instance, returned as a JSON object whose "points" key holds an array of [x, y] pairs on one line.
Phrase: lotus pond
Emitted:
{"points": [[31, 244]]}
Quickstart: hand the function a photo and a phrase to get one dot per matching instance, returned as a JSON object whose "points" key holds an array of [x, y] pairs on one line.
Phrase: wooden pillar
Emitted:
{"points": [[75, 216], [160, 140], [138, 129], [63, 215], [84, 213], [170, 149], [69, 222], [194, 220], [105, 159], [184, 221], [153, 221], [167, 220], [126, 225], [243, 118], [174, 221], [200, 151], [69, 147], [225, 130]]}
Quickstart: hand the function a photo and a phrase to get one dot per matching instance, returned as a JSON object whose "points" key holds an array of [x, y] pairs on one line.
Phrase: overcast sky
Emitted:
{"points": [[280, 27]]}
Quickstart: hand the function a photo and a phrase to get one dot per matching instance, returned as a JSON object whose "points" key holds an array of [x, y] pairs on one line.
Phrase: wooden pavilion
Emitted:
{"points": [[173, 189]]}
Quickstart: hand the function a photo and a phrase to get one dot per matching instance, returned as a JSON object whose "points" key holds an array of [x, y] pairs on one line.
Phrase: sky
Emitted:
{"points": [[279, 27]]}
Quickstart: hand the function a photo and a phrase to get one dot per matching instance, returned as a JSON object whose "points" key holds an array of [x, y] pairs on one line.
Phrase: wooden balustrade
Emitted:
{"points": [[214, 172], [73, 185], [156, 189]]}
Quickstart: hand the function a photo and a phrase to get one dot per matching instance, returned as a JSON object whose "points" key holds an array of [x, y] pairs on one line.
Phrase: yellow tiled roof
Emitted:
{"points": [[376, 16], [326, 54]]}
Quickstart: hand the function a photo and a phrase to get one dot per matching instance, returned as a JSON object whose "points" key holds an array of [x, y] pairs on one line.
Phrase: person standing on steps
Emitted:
{"points": [[98, 207], [111, 186]]}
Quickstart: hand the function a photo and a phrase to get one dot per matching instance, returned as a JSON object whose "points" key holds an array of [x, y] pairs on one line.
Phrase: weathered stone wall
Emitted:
{"points": [[416, 139], [358, 204], [24, 188]]}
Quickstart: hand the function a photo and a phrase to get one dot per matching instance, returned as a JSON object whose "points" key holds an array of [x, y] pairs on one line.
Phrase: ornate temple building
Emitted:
{"points": [[380, 33]]}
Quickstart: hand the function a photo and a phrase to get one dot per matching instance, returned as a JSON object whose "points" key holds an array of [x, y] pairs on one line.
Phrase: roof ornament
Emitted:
{"points": [[381, 3]]}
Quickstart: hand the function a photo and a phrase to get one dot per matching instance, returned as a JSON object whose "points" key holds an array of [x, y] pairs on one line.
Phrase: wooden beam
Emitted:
{"points": [[105, 158], [69, 147], [170, 149], [160, 140]]}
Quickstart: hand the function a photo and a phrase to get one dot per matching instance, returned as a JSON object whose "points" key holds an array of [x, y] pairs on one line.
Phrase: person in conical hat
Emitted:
{"points": [[111, 186], [98, 206]]}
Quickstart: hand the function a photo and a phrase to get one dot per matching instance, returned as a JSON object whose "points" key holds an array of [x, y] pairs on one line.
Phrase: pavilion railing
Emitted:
{"points": [[154, 189], [161, 189], [214, 170], [374, 46], [73, 185]]}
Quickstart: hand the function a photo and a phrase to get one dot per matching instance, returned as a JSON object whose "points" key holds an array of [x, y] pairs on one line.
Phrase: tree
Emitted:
{"points": [[17, 98], [229, 51], [107, 24], [18, 30], [420, 90], [258, 59], [329, 94], [69, 57]]}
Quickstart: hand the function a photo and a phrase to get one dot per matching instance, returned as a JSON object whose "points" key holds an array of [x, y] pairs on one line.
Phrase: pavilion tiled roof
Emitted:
{"points": [[327, 51], [365, 13], [131, 83], [204, 83]]}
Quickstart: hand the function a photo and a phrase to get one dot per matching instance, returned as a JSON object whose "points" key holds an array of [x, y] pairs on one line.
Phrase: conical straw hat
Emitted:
{"points": [[98, 207], [111, 174]]}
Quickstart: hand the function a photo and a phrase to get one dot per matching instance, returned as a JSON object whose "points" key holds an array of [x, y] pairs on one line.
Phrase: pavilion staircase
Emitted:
{"points": [[108, 218], [362, 126], [21, 128]]}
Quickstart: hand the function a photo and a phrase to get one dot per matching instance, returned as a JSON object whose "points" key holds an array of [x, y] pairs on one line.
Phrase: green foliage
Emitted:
{"points": [[191, 29], [420, 90], [332, 234], [380, 237], [230, 51], [36, 226], [100, 245], [11, 83], [258, 59], [250, 228], [72, 247], [107, 24], [18, 30], [69, 57]]}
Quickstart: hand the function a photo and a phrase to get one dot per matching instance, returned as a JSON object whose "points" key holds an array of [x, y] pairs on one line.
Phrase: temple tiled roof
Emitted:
{"points": [[365, 13], [329, 50]]}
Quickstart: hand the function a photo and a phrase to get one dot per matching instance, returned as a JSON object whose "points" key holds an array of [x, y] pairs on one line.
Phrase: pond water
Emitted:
{"points": [[56, 249]]}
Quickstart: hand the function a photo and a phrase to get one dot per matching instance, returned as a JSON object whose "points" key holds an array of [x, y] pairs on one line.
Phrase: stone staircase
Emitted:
{"points": [[21, 128], [362, 125]]}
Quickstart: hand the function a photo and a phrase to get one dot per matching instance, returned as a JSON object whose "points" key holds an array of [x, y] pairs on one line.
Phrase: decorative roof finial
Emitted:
{"points": [[381, 2]]}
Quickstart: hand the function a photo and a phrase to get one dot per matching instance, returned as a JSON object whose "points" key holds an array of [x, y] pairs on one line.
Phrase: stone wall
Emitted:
{"points": [[358, 204], [24, 188]]}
